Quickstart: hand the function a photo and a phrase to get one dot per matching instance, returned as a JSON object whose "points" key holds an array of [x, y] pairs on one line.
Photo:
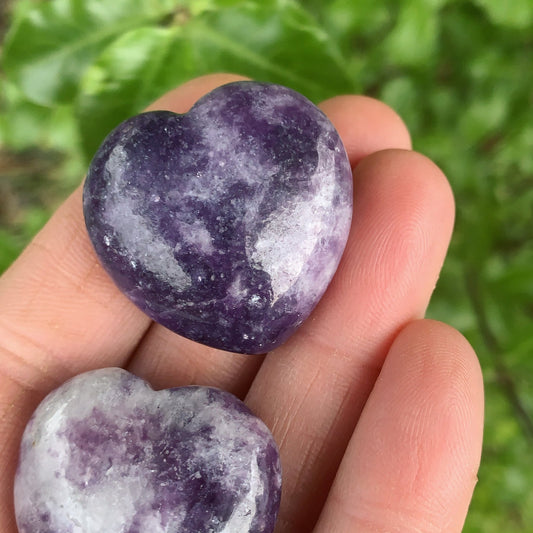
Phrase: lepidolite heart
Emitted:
{"points": [[225, 224], [104, 453]]}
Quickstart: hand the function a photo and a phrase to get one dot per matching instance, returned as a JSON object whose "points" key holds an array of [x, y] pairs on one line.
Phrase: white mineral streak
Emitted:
{"points": [[230, 150], [150, 253], [196, 234], [289, 240], [243, 515], [152, 523], [237, 289], [88, 508]]}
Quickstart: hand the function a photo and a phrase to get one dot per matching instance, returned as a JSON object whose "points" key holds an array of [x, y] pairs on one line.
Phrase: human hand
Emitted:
{"points": [[378, 413]]}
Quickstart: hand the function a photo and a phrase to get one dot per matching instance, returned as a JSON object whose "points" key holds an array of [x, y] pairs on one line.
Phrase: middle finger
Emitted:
{"points": [[311, 390]]}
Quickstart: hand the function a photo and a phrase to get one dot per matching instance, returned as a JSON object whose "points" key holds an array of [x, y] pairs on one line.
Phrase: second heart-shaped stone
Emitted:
{"points": [[104, 453], [225, 224]]}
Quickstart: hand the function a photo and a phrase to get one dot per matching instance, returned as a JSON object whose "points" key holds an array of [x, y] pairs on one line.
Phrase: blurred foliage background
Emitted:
{"points": [[459, 72]]}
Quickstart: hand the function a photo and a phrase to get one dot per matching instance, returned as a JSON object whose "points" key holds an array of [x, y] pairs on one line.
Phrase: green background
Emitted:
{"points": [[459, 73]]}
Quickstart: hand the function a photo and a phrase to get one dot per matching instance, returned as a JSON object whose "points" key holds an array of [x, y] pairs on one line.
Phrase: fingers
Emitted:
{"points": [[411, 464], [181, 99], [366, 125], [60, 314], [166, 360], [311, 390]]}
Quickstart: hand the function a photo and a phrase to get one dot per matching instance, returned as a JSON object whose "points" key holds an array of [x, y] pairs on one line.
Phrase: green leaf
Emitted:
{"points": [[276, 40], [10, 248], [413, 39], [401, 94], [24, 124], [483, 116], [515, 14], [50, 44], [129, 74], [347, 19], [282, 45]]}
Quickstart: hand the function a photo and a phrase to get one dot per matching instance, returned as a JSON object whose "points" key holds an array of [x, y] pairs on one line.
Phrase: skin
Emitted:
{"points": [[378, 412]]}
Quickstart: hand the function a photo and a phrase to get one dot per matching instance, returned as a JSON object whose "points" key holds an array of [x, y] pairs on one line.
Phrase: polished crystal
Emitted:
{"points": [[227, 223]]}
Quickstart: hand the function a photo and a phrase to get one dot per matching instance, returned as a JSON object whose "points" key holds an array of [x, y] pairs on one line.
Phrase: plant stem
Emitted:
{"points": [[495, 350]]}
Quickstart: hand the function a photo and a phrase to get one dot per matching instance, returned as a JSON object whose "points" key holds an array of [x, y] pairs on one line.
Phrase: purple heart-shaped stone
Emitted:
{"points": [[105, 453], [225, 224]]}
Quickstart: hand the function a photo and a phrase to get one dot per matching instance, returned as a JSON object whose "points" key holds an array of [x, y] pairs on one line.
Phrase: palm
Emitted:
{"points": [[378, 415]]}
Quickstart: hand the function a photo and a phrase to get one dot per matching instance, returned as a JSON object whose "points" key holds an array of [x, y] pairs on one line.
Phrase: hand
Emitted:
{"points": [[377, 412]]}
